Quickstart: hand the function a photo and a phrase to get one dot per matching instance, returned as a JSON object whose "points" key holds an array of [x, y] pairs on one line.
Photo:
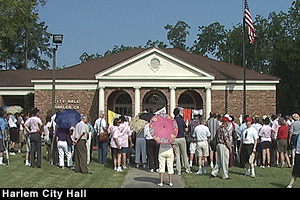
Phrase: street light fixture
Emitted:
{"points": [[57, 40]]}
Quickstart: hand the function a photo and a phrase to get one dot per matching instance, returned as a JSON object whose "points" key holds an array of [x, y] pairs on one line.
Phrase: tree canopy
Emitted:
{"points": [[23, 39]]}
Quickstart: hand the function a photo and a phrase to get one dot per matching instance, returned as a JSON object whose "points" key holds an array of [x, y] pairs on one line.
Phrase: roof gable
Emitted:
{"points": [[154, 64], [221, 70], [175, 64]]}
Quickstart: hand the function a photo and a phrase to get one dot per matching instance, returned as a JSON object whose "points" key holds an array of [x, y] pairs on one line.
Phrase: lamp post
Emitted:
{"points": [[57, 40]]}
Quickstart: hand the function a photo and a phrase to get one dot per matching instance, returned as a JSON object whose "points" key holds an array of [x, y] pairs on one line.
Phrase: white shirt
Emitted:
{"points": [[99, 127], [34, 123], [46, 131], [257, 126], [147, 134], [249, 135], [81, 128], [201, 133], [12, 121]]}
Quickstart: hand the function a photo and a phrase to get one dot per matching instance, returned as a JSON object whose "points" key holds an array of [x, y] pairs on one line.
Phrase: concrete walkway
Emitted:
{"points": [[141, 178]]}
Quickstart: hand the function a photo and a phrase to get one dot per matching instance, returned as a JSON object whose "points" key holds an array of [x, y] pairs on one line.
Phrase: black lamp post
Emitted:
{"points": [[57, 40]]}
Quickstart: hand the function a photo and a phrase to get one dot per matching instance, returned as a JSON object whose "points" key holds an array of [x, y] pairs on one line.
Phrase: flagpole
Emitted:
{"points": [[244, 61]]}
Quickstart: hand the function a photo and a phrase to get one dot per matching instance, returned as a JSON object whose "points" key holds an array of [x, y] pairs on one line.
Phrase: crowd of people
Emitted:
{"points": [[217, 143]]}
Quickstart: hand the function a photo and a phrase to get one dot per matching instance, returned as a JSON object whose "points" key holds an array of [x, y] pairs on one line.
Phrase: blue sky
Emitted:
{"points": [[95, 26]]}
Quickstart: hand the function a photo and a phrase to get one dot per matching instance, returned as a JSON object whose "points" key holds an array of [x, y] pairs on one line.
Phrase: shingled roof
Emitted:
{"points": [[88, 70]]}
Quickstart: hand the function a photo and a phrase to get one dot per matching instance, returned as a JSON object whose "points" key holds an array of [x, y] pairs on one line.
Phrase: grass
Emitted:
{"points": [[273, 177], [16, 175]]}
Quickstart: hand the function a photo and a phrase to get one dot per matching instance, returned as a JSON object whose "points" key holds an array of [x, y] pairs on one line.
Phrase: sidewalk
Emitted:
{"points": [[140, 178]]}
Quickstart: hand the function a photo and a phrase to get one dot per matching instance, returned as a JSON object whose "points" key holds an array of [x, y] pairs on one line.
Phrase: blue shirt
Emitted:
{"points": [[62, 134], [2, 126]]}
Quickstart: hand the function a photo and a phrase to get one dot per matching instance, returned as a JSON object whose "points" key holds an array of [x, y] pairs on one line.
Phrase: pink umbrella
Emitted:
{"points": [[163, 128]]}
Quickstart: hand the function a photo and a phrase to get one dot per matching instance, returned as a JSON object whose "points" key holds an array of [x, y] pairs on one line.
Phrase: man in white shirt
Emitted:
{"points": [[101, 128], [152, 149], [248, 147], [80, 153], [201, 133]]}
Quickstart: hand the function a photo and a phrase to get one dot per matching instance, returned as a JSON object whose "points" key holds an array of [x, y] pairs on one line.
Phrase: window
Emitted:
{"points": [[154, 101], [191, 100], [123, 104]]}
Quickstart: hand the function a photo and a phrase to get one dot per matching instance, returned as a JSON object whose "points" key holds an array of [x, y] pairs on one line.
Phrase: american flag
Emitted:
{"points": [[249, 23]]}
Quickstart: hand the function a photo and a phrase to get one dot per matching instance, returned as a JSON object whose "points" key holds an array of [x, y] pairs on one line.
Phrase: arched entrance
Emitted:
{"points": [[190, 99], [154, 101], [120, 102]]}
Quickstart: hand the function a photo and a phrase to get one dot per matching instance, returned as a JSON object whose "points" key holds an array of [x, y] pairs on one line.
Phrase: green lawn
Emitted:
{"points": [[49, 176], [273, 177]]}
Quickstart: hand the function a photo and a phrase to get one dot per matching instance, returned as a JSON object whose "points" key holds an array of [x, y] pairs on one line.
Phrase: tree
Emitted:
{"points": [[177, 34], [210, 39], [284, 36], [23, 38], [116, 49], [86, 57], [151, 44]]}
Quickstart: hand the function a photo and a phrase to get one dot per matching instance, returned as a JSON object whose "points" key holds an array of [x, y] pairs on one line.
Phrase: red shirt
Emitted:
{"points": [[283, 132]]}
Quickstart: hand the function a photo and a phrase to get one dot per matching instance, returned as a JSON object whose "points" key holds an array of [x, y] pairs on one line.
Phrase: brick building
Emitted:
{"points": [[131, 81]]}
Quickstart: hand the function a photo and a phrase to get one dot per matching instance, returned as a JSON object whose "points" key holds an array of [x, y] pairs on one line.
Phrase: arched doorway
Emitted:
{"points": [[154, 101], [190, 99], [120, 102]]}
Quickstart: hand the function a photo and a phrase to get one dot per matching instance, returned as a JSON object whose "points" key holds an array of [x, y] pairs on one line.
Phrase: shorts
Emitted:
{"points": [[202, 148], [125, 150], [193, 146], [14, 135], [22, 136], [1, 146], [115, 150], [282, 146], [27, 144], [265, 145], [294, 140]]}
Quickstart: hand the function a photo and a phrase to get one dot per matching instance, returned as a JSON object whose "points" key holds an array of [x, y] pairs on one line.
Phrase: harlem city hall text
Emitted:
{"points": [[46, 193]]}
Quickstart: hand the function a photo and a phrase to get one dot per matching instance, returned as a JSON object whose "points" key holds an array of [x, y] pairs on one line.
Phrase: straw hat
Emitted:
{"points": [[295, 116]]}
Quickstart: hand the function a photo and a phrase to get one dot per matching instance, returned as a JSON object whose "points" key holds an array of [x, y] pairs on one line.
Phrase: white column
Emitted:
{"points": [[101, 99], [172, 100], [207, 102], [137, 100]]}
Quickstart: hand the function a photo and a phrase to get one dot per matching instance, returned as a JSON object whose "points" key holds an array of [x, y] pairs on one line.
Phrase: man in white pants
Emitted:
{"points": [[63, 147]]}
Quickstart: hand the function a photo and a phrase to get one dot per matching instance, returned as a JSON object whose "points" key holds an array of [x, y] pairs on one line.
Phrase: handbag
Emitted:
{"points": [[103, 137]]}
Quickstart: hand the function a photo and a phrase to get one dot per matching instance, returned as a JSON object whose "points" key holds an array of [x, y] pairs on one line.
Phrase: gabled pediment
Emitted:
{"points": [[154, 64]]}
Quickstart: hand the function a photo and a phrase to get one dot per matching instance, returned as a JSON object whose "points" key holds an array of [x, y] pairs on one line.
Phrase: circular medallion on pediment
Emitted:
{"points": [[154, 64]]}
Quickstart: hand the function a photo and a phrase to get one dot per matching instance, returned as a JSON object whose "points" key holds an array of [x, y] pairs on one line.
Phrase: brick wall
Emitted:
{"points": [[85, 101], [258, 102]]}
